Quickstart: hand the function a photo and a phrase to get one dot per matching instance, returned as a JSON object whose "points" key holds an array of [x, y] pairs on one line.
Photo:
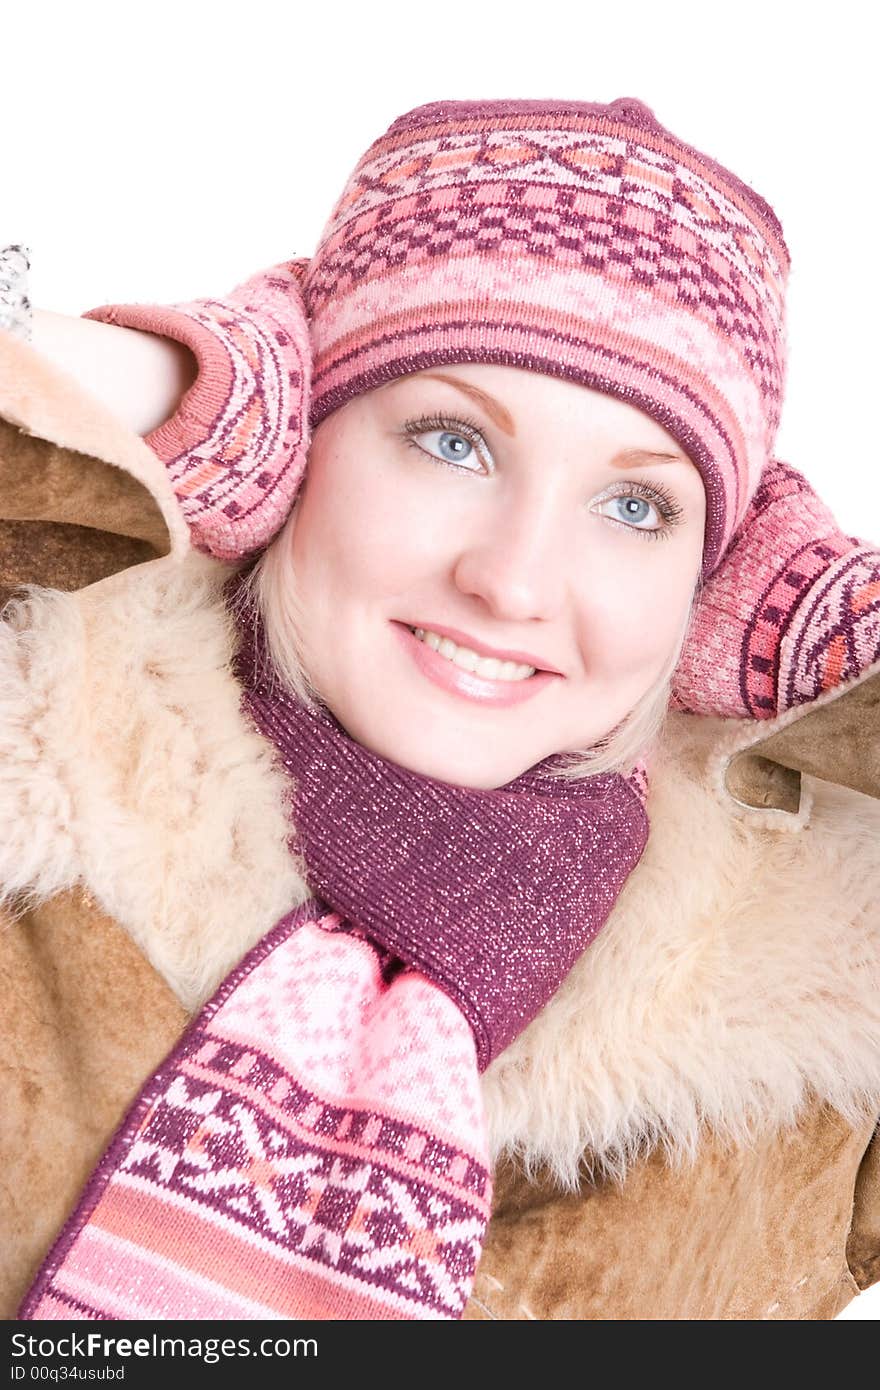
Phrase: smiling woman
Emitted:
{"points": [[480, 463], [524, 534], [614, 329]]}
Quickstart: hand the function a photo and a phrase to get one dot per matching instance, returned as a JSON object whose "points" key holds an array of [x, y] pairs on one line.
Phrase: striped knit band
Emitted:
{"points": [[580, 240]]}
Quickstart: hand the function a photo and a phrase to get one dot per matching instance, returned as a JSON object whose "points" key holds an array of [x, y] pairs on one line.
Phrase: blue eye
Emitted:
{"points": [[633, 509], [457, 440], [455, 446], [653, 496], [638, 501]]}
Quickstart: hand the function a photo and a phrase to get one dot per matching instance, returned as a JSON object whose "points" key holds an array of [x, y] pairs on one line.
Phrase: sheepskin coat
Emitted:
{"points": [[687, 1130]]}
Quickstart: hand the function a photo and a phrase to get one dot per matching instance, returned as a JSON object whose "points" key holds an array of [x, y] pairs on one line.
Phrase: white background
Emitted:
{"points": [[164, 151]]}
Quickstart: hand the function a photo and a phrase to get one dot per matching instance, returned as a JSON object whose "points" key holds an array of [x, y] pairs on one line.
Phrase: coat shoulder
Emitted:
{"points": [[127, 765]]}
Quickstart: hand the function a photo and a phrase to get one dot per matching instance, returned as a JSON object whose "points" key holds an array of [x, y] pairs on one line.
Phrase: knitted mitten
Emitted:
{"points": [[792, 610], [235, 449], [313, 1148]]}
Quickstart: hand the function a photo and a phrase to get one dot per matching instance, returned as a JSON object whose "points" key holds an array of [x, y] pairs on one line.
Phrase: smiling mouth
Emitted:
{"points": [[485, 684], [467, 659], [480, 649]]}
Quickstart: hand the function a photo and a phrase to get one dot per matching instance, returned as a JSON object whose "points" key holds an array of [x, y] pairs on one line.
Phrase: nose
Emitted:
{"points": [[516, 560]]}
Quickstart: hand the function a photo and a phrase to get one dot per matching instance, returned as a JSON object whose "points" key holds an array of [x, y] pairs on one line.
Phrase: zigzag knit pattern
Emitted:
{"points": [[313, 1148]]}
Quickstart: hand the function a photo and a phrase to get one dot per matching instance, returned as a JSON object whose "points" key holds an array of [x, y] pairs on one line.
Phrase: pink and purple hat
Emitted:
{"points": [[576, 239]]}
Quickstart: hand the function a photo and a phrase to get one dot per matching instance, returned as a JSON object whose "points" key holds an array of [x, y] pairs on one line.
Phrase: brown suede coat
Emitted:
{"points": [[789, 1228]]}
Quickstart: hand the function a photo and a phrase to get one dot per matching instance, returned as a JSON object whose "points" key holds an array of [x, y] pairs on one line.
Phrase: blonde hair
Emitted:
{"points": [[268, 587]]}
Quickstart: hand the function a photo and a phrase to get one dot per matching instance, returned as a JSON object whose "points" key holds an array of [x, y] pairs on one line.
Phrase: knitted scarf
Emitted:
{"points": [[315, 1147]]}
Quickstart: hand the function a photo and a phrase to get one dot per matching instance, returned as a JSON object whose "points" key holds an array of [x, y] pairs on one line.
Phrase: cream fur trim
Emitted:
{"points": [[125, 763], [729, 993]]}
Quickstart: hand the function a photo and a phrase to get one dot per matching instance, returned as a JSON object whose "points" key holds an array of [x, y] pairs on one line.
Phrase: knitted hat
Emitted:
{"points": [[580, 240]]}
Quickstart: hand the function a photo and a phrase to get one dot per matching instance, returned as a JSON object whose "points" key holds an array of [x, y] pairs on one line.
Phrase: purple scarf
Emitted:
{"points": [[492, 894]]}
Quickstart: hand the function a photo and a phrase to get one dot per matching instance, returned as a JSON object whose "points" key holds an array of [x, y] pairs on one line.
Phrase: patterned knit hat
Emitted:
{"points": [[580, 240]]}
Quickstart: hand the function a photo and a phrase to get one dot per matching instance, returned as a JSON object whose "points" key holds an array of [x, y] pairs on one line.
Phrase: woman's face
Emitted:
{"points": [[515, 512]]}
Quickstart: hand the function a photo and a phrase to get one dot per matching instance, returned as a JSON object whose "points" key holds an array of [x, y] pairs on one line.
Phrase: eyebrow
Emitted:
{"points": [[631, 456], [494, 409], [502, 418]]}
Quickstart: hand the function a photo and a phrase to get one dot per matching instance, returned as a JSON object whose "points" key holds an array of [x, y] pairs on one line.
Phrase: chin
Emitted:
{"points": [[422, 760], [428, 758], [470, 774]]}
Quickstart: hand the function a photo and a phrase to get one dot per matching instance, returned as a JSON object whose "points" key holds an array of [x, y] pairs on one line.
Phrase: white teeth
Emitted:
{"points": [[487, 666]]}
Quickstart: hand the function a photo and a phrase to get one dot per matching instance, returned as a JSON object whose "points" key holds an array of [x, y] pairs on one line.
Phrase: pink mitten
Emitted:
{"points": [[236, 447], [792, 610]]}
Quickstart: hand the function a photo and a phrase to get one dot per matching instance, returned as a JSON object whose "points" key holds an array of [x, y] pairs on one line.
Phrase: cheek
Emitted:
{"points": [[356, 528], [630, 622]]}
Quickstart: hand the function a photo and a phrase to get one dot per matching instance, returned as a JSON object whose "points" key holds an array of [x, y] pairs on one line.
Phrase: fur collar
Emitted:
{"points": [[735, 982]]}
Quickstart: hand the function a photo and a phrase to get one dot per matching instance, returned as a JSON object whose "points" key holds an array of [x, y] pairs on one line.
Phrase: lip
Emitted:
{"points": [[468, 684], [461, 639]]}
